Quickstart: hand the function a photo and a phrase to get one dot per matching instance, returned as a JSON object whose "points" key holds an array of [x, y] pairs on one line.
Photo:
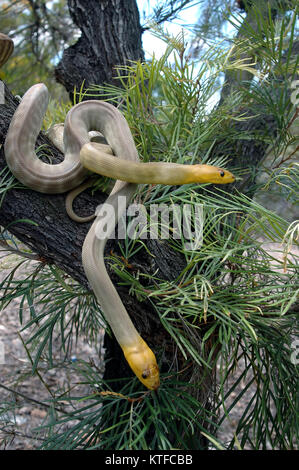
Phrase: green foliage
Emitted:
{"points": [[234, 301], [136, 420]]}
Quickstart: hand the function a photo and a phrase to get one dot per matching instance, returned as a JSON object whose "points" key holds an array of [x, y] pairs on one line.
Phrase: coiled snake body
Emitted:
{"points": [[82, 155]]}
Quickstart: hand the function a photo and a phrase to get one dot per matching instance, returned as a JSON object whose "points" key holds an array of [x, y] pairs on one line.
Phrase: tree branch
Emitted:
{"points": [[171, 14]]}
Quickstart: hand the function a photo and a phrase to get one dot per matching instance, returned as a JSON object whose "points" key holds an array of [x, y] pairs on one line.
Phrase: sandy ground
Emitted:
{"points": [[28, 410]]}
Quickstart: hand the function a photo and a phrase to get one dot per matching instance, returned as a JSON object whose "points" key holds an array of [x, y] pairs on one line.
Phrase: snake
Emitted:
{"points": [[119, 160]]}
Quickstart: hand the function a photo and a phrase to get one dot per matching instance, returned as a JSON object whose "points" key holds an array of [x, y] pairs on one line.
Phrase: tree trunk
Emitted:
{"points": [[111, 36]]}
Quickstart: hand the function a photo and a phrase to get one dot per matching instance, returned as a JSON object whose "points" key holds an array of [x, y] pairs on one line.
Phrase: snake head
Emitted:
{"points": [[143, 363], [224, 176], [210, 174]]}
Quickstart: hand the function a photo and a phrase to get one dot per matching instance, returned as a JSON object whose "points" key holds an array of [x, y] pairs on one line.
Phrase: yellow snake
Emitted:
{"points": [[82, 155]]}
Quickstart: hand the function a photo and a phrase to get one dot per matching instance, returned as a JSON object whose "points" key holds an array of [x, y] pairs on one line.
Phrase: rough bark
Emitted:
{"points": [[111, 36]]}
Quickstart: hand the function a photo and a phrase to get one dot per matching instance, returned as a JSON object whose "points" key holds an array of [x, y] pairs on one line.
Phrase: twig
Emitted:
{"points": [[31, 256], [37, 402], [168, 15], [36, 370], [286, 158], [17, 433]]}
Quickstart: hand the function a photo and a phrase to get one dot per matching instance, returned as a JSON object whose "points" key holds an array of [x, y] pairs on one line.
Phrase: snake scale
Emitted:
{"points": [[80, 157]]}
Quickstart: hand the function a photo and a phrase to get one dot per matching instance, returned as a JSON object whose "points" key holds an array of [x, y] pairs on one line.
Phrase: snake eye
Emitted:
{"points": [[145, 375], [221, 173]]}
